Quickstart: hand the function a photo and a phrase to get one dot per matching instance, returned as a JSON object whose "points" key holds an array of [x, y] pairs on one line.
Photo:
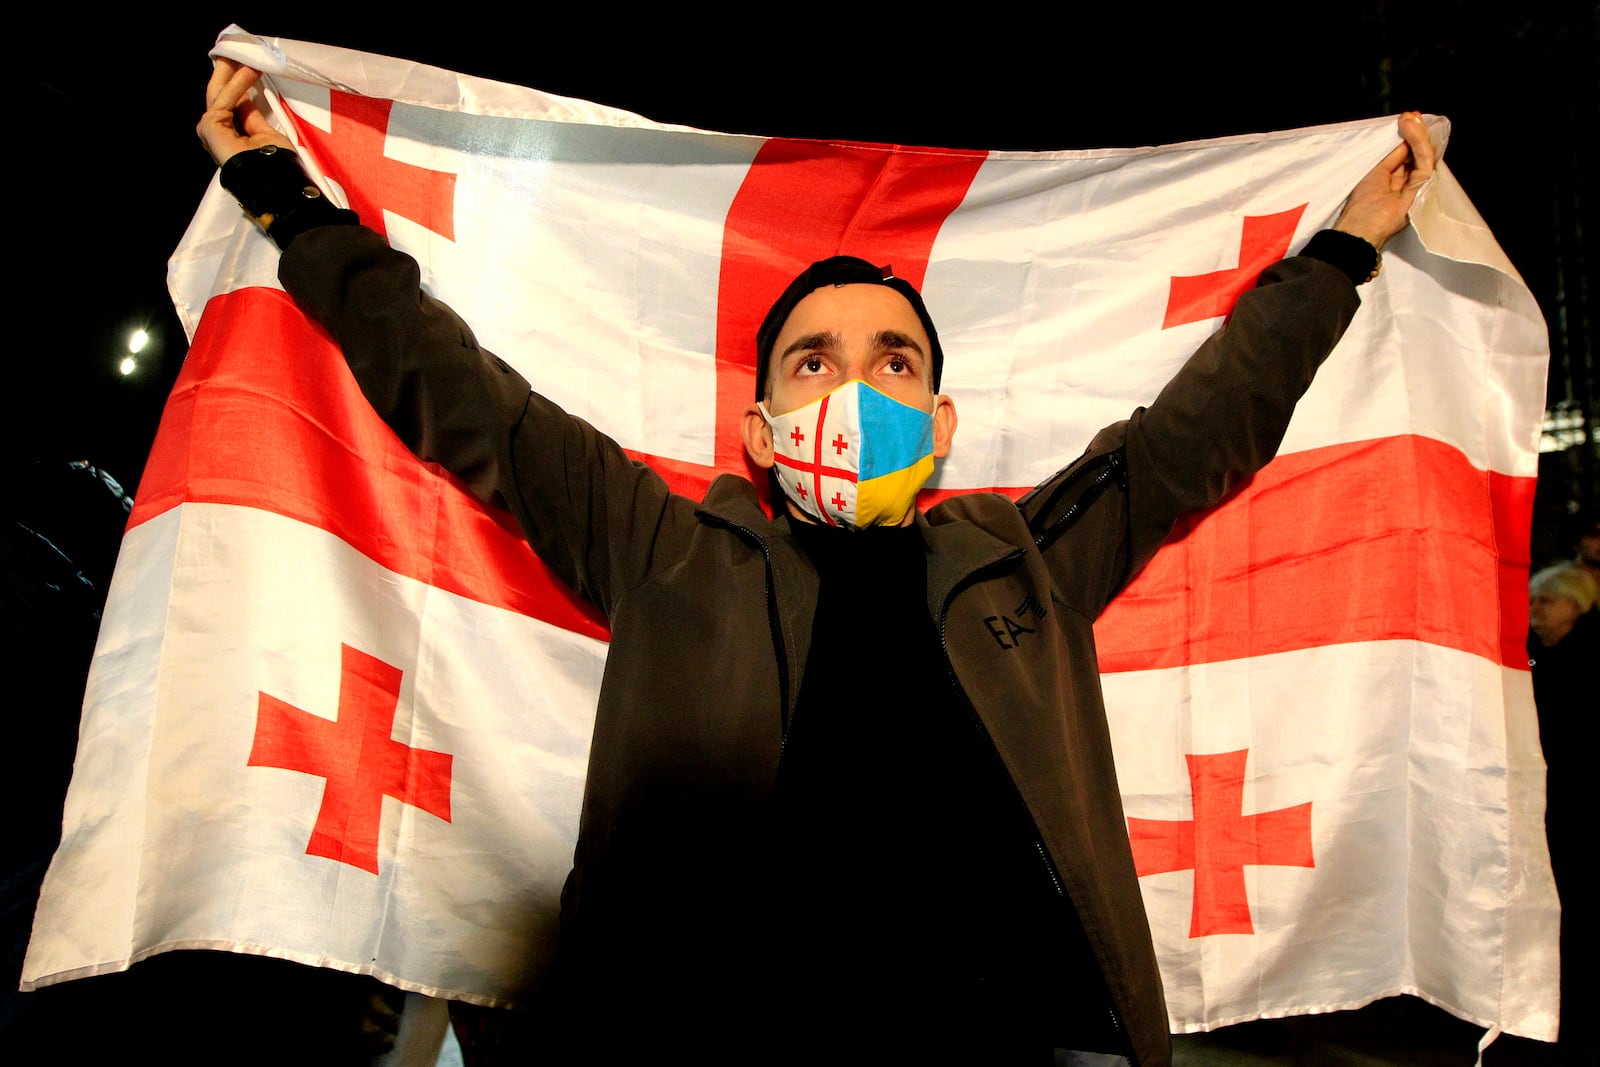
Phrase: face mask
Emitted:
{"points": [[853, 458]]}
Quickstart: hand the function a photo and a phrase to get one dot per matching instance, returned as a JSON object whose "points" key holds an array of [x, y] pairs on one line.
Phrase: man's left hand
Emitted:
{"points": [[1380, 203]]}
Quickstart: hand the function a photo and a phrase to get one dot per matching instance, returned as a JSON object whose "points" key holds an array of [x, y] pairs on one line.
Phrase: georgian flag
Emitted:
{"points": [[339, 712]]}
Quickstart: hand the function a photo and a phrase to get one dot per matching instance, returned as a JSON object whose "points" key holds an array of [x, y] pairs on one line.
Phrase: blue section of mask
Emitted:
{"points": [[894, 435]]}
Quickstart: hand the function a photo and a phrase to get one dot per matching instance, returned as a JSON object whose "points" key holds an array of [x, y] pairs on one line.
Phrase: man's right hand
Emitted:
{"points": [[232, 122]]}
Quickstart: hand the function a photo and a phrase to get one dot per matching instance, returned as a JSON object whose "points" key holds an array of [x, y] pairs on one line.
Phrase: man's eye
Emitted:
{"points": [[897, 365], [811, 365]]}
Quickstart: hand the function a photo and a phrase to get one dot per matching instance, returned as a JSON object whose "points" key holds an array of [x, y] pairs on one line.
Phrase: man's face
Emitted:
{"points": [[843, 332]]}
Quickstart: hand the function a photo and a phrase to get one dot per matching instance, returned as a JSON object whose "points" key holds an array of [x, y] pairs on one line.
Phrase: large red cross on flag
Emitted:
{"points": [[1352, 618]]}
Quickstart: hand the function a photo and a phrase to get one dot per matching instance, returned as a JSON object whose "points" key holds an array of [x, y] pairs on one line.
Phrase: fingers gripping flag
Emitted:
{"points": [[1319, 707]]}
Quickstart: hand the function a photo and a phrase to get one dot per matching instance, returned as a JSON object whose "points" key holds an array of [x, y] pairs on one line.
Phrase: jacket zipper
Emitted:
{"points": [[1111, 467], [988, 741], [1055, 880], [772, 619]]}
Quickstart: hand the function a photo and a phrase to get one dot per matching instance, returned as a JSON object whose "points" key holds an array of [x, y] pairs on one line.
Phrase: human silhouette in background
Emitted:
{"points": [[1564, 655]]}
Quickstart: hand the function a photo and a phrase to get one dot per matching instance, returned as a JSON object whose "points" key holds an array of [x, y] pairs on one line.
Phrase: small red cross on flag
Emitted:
{"points": [[352, 153], [1206, 296], [1218, 842], [356, 754]]}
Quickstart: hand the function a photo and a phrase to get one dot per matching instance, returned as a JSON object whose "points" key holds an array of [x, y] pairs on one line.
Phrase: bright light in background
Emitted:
{"points": [[1563, 429], [138, 341]]}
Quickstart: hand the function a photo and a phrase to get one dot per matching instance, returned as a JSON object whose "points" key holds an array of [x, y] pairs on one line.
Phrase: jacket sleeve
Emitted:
{"points": [[600, 520], [1218, 421]]}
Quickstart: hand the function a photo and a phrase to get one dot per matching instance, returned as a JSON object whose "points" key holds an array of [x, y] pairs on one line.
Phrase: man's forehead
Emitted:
{"points": [[846, 272], [851, 309]]}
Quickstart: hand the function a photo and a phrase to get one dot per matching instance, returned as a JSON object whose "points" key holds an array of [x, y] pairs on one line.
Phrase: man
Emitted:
{"points": [[850, 791]]}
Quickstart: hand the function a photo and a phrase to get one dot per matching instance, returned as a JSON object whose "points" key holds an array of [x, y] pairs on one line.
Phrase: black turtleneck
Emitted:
{"points": [[906, 872]]}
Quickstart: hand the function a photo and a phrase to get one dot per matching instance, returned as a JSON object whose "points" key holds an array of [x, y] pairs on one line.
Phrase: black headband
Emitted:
{"points": [[838, 270]]}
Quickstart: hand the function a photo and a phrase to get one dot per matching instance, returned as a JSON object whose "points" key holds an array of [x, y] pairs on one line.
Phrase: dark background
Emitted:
{"points": [[109, 172]]}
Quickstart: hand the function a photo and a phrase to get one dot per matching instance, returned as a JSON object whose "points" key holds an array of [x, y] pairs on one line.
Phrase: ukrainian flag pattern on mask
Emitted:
{"points": [[855, 457]]}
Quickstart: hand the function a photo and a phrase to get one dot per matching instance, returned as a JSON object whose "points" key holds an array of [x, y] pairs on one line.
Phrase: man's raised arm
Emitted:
{"points": [[1223, 415], [591, 514]]}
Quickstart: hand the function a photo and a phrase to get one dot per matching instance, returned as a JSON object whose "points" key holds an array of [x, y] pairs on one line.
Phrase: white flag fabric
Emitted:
{"points": [[339, 713]]}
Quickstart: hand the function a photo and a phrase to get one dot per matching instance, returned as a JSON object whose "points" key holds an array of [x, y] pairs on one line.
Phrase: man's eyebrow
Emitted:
{"points": [[825, 339], [896, 339]]}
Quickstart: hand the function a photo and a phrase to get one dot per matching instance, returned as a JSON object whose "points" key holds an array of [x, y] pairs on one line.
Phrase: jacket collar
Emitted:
{"points": [[960, 544], [958, 549]]}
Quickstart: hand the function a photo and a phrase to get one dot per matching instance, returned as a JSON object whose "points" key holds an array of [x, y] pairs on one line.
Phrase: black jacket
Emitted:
{"points": [[710, 605]]}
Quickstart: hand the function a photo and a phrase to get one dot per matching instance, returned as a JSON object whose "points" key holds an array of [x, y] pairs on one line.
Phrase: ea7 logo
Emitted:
{"points": [[1007, 630]]}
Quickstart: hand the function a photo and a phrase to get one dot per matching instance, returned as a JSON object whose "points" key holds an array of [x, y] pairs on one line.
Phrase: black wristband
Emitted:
{"points": [[1353, 255], [277, 195]]}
